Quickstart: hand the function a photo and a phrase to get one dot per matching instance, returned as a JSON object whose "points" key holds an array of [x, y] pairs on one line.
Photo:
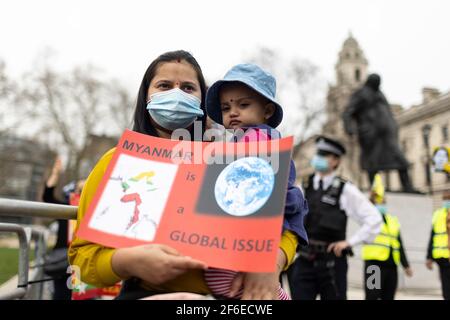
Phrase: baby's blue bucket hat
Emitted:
{"points": [[255, 78]]}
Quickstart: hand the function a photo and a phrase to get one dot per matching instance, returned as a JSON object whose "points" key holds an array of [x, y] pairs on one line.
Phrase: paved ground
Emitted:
{"points": [[9, 242], [416, 226], [358, 294], [353, 292], [414, 213]]}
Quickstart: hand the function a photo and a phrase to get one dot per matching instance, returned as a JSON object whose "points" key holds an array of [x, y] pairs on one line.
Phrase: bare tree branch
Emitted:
{"points": [[120, 105], [9, 115], [71, 107], [299, 89]]}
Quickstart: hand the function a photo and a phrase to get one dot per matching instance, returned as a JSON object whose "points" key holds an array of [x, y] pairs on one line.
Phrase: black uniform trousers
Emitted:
{"points": [[444, 273], [325, 275], [385, 286]]}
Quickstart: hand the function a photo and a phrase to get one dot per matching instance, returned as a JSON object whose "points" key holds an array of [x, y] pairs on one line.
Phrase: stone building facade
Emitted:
{"points": [[431, 117], [423, 128], [23, 166]]}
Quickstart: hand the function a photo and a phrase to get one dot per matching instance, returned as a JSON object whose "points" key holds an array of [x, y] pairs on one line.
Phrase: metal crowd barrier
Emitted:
{"points": [[21, 208], [28, 234]]}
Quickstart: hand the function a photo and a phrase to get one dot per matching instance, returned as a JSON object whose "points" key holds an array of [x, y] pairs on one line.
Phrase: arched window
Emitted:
{"points": [[445, 134], [357, 75], [340, 77]]}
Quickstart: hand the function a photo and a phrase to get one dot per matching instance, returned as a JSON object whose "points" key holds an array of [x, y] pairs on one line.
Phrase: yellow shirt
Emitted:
{"points": [[94, 260]]}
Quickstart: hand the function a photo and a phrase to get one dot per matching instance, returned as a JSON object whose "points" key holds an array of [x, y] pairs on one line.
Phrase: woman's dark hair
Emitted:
{"points": [[142, 122]]}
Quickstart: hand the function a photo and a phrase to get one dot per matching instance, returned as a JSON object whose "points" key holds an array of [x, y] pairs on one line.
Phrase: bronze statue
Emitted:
{"points": [[377, 131]]}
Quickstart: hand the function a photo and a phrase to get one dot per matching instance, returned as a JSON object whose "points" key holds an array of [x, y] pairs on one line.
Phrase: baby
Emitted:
{"points": [[245, 99]]}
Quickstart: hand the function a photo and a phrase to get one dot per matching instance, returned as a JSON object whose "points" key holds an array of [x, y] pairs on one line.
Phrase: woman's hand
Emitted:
{"points": [[153, 263], [258, 285]]}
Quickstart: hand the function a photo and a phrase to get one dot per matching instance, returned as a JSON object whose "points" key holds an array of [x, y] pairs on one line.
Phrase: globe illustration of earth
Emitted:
{"points": [[244, 186]]}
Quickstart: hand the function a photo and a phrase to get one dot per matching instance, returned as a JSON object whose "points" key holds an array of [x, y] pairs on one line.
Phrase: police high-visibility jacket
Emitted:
{"points": [[440, 236], [387, 240]]}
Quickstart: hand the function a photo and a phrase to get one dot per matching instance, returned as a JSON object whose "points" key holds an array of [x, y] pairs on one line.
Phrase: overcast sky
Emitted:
{"points": [[406, 41]]}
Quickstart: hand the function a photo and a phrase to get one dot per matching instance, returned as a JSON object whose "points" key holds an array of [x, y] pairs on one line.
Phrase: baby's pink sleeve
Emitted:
{"points": [[255, 134]]}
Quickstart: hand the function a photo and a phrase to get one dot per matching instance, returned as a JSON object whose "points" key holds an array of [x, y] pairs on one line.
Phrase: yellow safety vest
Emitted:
{"points": [[386, 240], [440, 238]]}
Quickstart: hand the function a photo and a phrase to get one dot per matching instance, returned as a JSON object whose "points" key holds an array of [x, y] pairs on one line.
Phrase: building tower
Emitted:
{"points": [[351, 68], [351, 73]]}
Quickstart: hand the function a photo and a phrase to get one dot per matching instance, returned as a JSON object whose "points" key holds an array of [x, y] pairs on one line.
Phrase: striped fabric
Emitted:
{"points": [[219, 282]]}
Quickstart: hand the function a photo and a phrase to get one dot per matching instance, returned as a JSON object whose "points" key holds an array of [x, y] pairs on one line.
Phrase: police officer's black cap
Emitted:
{"points": [[326, 146]]}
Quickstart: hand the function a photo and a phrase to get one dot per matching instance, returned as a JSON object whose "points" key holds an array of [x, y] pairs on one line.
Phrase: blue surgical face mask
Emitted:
{"points": [[320, 163], [446, 204], [174, 109], [381, 208]]}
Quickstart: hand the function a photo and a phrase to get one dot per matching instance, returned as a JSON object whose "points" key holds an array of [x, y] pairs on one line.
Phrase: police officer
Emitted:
{"points": [[321, 267], [438, 246]]}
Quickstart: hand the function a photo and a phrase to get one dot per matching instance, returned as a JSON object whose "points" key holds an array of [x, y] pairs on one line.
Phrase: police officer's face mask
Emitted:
{"points": [[174, 109], [446, 204], [320, 163]]}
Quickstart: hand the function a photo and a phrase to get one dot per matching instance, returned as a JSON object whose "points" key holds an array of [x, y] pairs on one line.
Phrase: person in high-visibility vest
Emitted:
{"points": [[438, 246], [321, 267], [448, 231], [383, 255]]}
